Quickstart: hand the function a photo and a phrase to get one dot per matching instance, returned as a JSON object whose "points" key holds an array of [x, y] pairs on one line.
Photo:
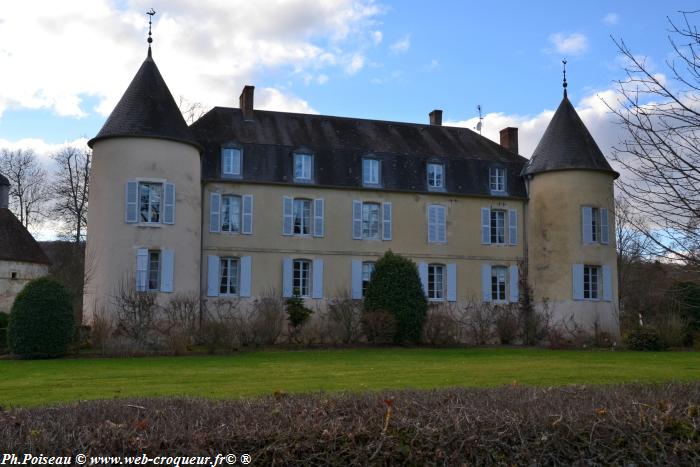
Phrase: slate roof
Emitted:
{"points": [[338, 144], [147, 109], [4, 181], [567, 144], [16, 243]]}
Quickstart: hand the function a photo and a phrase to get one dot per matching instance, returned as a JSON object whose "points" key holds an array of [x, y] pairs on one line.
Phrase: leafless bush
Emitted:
{"points": [[477, 320], [506, 323], [441, 327], [136, 312], [346, 314], [181, 321], [268, 317], [672, 328], [567, 333], [101, 328], [223, 325], [379, 327]]}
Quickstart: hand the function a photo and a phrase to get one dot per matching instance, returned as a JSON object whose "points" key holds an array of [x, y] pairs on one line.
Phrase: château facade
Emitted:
{"points": [[245, 200]]}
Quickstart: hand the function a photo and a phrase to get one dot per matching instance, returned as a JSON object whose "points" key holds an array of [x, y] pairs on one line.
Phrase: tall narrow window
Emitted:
{"points": [[228, 272], [302, 216], [436, 282], [150, 195], [437, 223], [370, 172], [230, 213], [497, 179], [303, 165], [498, 283], [231, 161], [301, 277], [370, 220], [498, 226], [153, 270], [591, 282], [436, 176], [367, 270], [595, 224]]}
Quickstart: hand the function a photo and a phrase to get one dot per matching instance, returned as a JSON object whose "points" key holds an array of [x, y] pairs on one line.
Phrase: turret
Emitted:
{"points": [[572, 262]]}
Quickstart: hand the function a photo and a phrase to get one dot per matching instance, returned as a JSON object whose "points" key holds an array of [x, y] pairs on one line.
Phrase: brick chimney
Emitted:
{"points": [[246, 102], [436, 117], [509, 139]]}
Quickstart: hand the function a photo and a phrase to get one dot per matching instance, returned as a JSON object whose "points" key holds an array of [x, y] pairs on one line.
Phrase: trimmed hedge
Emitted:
{"points": [[395, 287], [41, 321]]}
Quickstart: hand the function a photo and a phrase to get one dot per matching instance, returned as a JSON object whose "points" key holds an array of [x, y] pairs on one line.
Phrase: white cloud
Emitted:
{"points": [[402, 45], [377, 37], [611, 19], [64, 53], [571, 44], [355, 64], [432, 66], [322, 79], [274, 99]]}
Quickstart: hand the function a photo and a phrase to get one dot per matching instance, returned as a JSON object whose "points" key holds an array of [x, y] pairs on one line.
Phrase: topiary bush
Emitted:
{"points": [[646, 338], [395, 287], [41, 320]]}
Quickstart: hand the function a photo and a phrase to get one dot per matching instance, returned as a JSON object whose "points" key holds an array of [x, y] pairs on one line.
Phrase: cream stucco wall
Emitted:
{"points": [[555, 243], [112, 243], [24, 272]]}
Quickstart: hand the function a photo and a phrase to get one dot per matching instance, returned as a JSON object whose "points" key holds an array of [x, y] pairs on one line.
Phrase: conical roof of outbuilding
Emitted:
{"points": [[567, 144], [147, 109], [16, 243]]}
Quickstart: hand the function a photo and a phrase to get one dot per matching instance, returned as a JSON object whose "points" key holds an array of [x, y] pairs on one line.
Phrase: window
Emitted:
{"points": [[303, 167], [228, 272], [498, 283], [231, 161], [437, 232], [302, 217], [153, 270], [149, 201], [595, 225], [436, 282], [14, 275], [230, 213], [498, 226], [436, 177], [370, 172], [301, 277], [367, 270], [497, 177], [370, 220], [591, 282]]}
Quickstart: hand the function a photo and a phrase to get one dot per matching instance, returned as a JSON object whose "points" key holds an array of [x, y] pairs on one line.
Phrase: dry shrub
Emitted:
{"points": [[181, 322], [101, 329], [441, 327], [379, 327], [136, 314], [506, 323], [672, 328], [345, 316], [267, 319], [477, 319], [223, 325], [568, 334], [576, 425]]}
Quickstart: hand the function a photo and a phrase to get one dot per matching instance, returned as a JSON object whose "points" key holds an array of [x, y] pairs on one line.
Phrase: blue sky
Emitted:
{"points": [[66, 63]]}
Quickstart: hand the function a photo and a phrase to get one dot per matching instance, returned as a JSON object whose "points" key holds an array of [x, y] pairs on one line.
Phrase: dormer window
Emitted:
{"points": [[231, 162], [303, 167], [497, 179], [370, 172], [436, 176]]}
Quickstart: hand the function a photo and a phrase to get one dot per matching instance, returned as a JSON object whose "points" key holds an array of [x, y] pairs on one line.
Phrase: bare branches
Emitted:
{"points": [[28, 184], [70, 190], [191, 111]]}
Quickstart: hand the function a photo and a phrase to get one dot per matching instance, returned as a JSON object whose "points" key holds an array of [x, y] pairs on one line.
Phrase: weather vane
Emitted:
{"points": [[565, 83], [150, 14]]}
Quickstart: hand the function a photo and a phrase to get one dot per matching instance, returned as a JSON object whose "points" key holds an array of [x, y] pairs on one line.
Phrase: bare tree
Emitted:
{"points": [[661, 152], [28, 184], [191, 111], [70, 190]]}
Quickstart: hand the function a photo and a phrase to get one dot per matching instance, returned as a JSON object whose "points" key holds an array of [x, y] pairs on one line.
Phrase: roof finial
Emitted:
{"points": [[565, 83], [150, 14]]}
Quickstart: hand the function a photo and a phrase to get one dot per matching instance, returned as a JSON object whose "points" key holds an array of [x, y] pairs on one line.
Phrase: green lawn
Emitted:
{"points": [[24, 383]]}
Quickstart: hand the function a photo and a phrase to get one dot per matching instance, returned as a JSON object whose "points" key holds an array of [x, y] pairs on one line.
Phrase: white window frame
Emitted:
{"points": [[306, 217], [499, 284], [592, 282], [367, 270], [301, 277], [226, 265], [306, 163], [225, 211], [231, 166], [437, 291], [368, 221], [371, 171], [494, 226], [436, 179], [161, 202], [437, 231], [150, 270], [497, 179]]}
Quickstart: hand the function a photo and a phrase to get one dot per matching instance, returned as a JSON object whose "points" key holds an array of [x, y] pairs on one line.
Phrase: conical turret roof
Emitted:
{"points": [[567, 144], [147, 109]]}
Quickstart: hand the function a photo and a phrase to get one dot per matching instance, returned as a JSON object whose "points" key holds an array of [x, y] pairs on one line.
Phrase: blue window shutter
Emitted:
{"points": [[587, 224], [287, 215], [214, 212], [607, 283], [486, 282], [514, 284], [131, 211], [513, 226], [423, 274], [604, 227], [318, 217], [247, 224], [357, 220], [169, 204], [212, 276], [432, 223], [577, 275], [356, 280], [287, 277], [141, 269], [317, 281], [167, 268], [486, 227], [246, 276], [452, 282], [441, 224], [386, 224]]}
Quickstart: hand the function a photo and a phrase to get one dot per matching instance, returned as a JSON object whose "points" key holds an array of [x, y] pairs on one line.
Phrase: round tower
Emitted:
{"points": [[572, 259], [143, 230]]}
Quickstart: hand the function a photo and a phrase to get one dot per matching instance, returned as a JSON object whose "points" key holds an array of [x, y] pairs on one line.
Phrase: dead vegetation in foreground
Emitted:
{"points": [[613, 425]]}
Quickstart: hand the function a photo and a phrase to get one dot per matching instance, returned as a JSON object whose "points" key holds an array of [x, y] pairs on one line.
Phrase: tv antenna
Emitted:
{"points": [[479, 125]]}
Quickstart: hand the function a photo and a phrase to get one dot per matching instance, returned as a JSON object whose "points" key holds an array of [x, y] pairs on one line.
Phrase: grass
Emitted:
{"points": [[40, 382]]}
